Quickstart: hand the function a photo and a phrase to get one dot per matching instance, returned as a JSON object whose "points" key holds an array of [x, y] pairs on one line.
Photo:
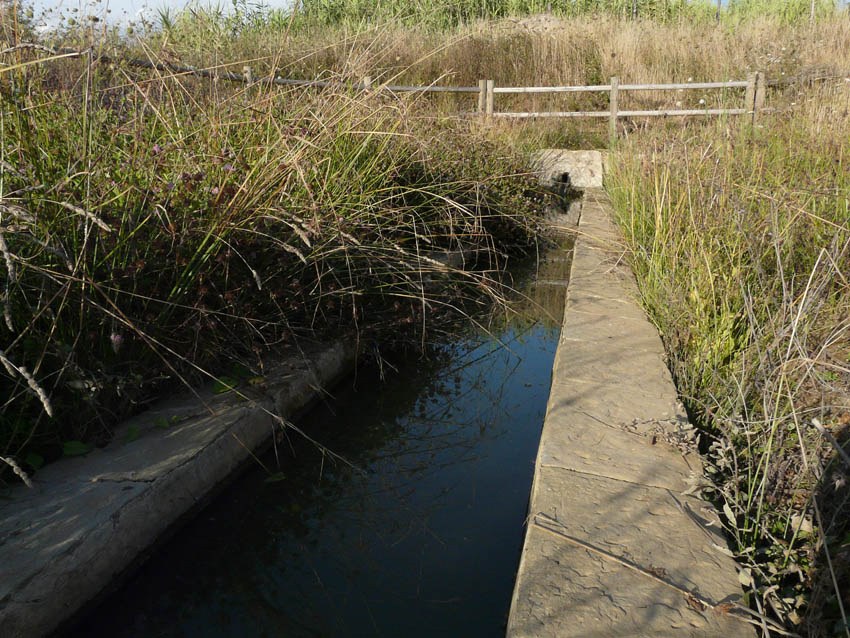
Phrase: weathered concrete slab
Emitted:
{"points": [[576, 169], [603, 272], [600, 328], [601, 357], [90, 517], [53, 525], [613, 547], [581, 301], [645, 526], [570, 591], [644, 411], [579, 588], [585, 445]]}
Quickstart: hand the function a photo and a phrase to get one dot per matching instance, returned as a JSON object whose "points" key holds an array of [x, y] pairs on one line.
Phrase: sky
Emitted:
{"points": [[120, 11]]}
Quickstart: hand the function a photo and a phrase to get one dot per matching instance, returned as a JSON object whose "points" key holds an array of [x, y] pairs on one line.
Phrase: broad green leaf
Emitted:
{"points": [[224, 384], [132, 433], [241, 372]]}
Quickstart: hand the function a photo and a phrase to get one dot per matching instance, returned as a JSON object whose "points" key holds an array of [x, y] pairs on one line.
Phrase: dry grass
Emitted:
{"points": [[740, 239], [517, 52], [158, 228]]}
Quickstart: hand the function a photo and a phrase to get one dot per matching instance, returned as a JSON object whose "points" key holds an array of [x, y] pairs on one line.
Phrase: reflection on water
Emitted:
{"points": [[421, 537]]}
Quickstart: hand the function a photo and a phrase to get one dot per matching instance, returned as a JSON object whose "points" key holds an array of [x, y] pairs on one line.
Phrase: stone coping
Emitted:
{"points": [[89, 519], [615, 546]]}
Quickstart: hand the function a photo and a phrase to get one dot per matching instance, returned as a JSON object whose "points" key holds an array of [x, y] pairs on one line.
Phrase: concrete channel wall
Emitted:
{"points": [[90, 518], [614, 546]]}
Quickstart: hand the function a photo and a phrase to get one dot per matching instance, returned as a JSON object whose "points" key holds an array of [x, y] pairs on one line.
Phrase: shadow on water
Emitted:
{"points": [[421, 539]]}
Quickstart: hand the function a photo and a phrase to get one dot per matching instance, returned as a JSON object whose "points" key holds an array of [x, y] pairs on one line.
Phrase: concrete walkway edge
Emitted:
{"points": [[89, 518], [614, 544]]}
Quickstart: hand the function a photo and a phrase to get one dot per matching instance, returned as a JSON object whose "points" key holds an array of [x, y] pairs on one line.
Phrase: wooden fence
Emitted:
{"points": [[754, 94], [753, 102], [754, 97]]}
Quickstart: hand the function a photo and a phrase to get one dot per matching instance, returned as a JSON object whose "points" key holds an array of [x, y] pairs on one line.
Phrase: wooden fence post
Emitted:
{"points": [[750, 95], [760, 94], [482, 95], [491, 84], [612, 119]]}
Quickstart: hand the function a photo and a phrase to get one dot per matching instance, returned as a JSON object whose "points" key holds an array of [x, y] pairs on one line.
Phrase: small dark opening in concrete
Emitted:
{"points": [[564, 189]]}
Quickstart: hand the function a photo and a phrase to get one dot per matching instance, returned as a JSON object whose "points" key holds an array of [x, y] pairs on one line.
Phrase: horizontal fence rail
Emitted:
{"points": [[683, 112], [753, 100], [431, 89], [486, 90], [686, 85], [600, 88], [663, 113], [604, 88]]}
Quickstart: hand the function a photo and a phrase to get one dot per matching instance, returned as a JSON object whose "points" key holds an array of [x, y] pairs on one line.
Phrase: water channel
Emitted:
{"points": [[419, 536]]}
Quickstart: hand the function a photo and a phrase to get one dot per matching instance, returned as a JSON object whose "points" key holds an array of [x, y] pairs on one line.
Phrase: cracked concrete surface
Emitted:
{"points": [[89, 518], [613, 546]]}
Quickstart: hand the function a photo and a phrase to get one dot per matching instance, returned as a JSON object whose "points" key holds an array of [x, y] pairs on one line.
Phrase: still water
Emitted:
{"points": [[418, 533]]}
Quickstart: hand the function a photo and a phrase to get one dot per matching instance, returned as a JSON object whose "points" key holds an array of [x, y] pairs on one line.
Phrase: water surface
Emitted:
{"points": [[418, 533]]}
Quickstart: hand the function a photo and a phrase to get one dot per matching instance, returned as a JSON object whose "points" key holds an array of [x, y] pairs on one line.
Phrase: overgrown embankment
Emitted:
{"points": [[740, 239], [159, 229]]}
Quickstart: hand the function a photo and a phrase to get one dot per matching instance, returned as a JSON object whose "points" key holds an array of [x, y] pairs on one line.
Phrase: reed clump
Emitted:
{"points": [[158, 227]]}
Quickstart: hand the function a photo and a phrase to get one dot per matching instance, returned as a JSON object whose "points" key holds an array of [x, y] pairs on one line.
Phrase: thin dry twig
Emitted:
{"points": [[29, 45], [90, 216]]}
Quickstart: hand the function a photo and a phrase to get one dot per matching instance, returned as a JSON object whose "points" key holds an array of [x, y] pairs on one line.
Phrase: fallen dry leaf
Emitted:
{"points": [[694, 603], [658, 571]]}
